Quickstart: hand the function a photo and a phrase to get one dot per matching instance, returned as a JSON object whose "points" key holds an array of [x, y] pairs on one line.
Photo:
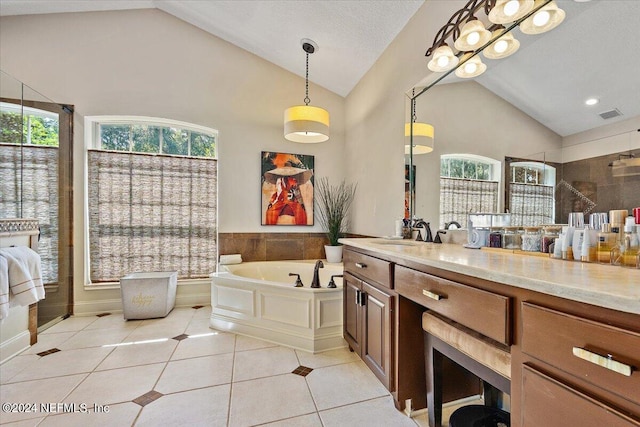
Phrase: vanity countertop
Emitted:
{"points": [[606, 286]]}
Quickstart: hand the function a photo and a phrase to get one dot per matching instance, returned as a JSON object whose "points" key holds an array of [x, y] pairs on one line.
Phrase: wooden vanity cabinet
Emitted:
{"points": [[368, 326]]}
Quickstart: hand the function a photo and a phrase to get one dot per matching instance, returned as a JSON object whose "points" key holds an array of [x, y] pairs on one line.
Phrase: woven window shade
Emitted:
{"points": [[151, 213], [29, 189], [531, 204], [458, 197]]}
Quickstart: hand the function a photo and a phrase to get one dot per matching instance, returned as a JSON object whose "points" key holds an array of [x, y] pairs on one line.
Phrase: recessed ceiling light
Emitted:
{"points": [[591, 101]]}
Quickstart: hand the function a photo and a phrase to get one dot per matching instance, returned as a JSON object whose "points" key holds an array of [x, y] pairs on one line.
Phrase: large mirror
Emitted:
{"points": [[520, 138]]}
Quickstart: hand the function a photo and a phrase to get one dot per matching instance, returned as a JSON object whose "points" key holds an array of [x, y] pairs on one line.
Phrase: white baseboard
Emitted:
{"points": [[14, 346]]}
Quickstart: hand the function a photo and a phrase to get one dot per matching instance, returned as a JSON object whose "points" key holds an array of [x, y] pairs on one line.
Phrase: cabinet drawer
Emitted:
{"points": [[482, 311], [548, 402], [368, 267], [601, 354]]}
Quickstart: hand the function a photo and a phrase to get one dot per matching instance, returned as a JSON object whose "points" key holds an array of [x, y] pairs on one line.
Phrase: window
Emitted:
{"points": [[29, 139], [531, 193], [152, 187], [468, 183]]}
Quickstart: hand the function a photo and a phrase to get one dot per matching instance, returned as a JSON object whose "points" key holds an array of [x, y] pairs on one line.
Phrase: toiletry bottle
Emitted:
{"points": [[588, 252], [630, 245], [607, 242]]}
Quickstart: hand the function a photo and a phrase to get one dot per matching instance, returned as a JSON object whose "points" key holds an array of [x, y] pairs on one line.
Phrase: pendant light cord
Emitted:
{"points": [[306, 98]]}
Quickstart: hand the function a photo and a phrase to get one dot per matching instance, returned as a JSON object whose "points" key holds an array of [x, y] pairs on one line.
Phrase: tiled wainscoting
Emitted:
{"points": [[274, 246]]}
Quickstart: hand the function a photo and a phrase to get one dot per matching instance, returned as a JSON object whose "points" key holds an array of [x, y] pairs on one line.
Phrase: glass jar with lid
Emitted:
{"points": [[495, 237], [532, 239], [549, 235], [511, 238]]}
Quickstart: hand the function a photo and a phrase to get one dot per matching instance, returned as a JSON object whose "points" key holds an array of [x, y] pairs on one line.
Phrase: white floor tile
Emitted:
{"points": [[203, 407], [244, 343], [203, 313], [264, 362], [195, 373], [269, 399], [327, 358], [51, 390], [94, 338], [155, 331], [65, 362], [72, 324], [117, 385], [340, 385], [378, 412], [114, 321], [33, 422], [140, 353], [122, 414], [49, 341], [13, 367], [310, 420], [198, 326], [217, 343]]}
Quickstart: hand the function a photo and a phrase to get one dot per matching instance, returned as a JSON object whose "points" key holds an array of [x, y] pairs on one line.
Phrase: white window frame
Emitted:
{"points": [[92, 141], [548, 178]]}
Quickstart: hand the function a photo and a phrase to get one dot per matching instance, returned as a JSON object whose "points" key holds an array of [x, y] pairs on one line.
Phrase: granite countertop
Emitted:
{"points": [[606, 286]]}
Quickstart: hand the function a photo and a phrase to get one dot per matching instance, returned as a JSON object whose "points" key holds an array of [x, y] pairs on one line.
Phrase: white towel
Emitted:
{"points": [[4, 288], [25, 278], [230, 259]]}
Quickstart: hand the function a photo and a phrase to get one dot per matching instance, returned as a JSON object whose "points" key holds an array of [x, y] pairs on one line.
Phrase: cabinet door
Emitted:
{"points": [[377, 323], [352, 316]]}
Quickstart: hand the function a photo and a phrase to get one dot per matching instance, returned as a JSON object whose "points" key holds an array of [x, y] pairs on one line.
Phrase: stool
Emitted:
{"points": [[479, 416], [470, 350]]}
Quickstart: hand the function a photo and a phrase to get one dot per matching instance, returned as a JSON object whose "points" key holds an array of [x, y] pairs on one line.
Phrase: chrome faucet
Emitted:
{"points": [[315, 283]]}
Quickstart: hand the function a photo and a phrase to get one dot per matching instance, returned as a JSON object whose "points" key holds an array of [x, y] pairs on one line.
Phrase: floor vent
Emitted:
{"points": [[610, 114]]}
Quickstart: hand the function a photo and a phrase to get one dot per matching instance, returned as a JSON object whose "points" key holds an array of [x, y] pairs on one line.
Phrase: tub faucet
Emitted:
{"points": [[315, 283]]}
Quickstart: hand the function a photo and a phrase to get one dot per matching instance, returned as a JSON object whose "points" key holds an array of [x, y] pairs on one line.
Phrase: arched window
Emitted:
{"points": [[152, 190], [468, 183]]}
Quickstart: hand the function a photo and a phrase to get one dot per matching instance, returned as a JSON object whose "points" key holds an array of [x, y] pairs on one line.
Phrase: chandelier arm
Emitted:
{"points": [[452, 27]]}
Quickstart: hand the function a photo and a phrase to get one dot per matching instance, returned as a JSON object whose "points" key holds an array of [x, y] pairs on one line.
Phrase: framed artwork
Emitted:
{"points": [[287, 189]]}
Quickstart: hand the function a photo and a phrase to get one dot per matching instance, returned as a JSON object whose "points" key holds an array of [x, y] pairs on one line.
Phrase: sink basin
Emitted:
{"points": [[396, 242]]}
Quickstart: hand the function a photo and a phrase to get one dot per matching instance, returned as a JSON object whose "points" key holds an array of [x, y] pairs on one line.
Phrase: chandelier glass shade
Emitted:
{"points": [[503, 46], [473, 66], [443, 59], [544, 19], [506, 11], [423, 137], [472, 36]]}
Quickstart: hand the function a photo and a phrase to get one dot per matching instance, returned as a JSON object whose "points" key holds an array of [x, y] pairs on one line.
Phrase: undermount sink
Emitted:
{"points": [[397, 242]]}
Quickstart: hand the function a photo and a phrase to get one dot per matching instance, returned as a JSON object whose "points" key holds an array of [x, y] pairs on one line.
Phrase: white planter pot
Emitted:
{"points": [[334, 253]]}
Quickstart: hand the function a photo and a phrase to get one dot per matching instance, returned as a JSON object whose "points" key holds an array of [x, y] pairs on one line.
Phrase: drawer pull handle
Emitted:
{"points": [[361, 265], [433, 295], [607, 362]]}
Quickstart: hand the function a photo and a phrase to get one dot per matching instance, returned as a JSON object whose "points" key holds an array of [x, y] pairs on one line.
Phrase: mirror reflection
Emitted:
{"points": [[520, 138]]}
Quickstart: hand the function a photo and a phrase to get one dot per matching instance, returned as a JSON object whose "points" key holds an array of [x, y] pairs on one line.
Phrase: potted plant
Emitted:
{"points": [[333, 206]]}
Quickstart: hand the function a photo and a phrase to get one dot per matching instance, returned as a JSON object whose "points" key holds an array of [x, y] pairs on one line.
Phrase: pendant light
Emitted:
{"points": [[506, 11], [473, 35], [473, 66], [305, 123], [544, 19], [503, 46], [422, 133]]}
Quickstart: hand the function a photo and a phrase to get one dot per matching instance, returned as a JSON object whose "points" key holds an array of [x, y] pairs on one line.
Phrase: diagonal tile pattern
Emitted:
{"points": [[176, 371]]}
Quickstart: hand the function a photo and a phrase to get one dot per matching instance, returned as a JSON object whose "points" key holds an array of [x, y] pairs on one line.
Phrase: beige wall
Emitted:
{"points": [[146, 62]]}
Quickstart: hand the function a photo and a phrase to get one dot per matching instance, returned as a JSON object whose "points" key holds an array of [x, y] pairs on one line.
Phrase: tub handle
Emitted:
{"points": [[332, 284], [298, 281], [361, 265]]}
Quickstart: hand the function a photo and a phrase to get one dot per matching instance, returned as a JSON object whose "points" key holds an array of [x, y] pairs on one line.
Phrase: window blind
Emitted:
{"points": [[531, 204], [458, 197], [151, 213], [29, 189]]}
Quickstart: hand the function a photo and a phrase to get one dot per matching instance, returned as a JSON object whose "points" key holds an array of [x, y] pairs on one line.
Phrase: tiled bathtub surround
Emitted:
{"points": [[176, 371], [274, 246]]}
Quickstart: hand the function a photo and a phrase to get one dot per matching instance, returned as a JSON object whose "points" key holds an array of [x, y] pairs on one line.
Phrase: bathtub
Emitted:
{"points": [[258, 299]]}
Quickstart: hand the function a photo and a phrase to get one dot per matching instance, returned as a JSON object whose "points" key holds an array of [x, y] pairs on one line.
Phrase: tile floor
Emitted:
{"points": [[178, 371]]}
